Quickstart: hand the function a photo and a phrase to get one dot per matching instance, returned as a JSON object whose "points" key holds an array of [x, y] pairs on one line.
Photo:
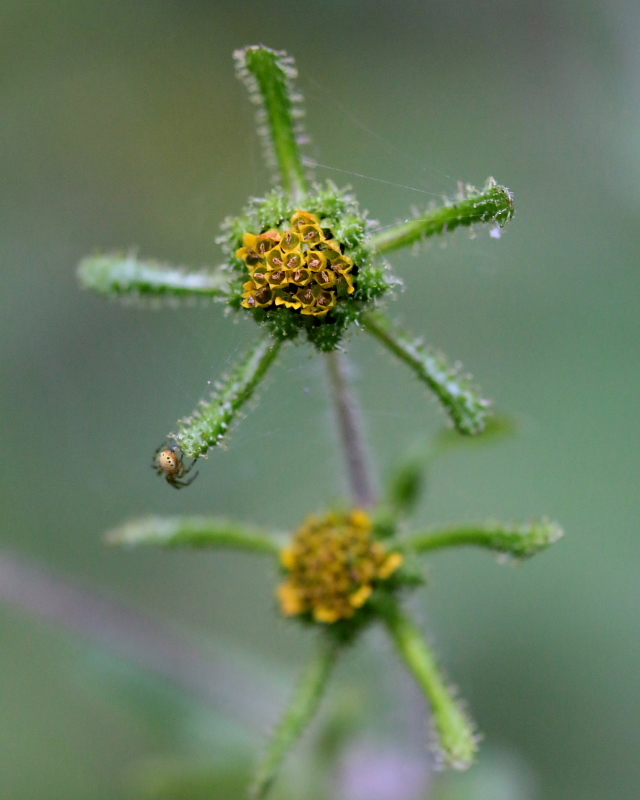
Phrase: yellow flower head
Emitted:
{"points": [[333, 564], [303, 255]]}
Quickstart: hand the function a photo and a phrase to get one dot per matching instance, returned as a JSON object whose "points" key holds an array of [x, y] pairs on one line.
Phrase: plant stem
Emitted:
{"points": [[212, 675], [194, 532], [113, 275], [455, 731], [210, 422], [268, 76], [493, 204], [519, 541], [303, 706], [351, 428], [466, 407]]}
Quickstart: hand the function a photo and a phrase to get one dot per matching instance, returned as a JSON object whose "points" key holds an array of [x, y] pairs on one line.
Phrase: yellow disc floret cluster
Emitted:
{"points": [[334, 564], [302, 268]]}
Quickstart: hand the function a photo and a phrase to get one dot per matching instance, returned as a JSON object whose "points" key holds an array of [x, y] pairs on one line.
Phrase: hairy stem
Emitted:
{"points": [[456, 739], [115, 275], [466, 407], [193, 532], [303, 706], [493, 204], [210, 422], [351, 427], [268, 76], [519, 541]]}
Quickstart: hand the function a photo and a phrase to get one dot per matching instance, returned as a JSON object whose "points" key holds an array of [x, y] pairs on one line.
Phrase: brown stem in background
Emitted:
{"points": [[217, 679], [361, 479]]}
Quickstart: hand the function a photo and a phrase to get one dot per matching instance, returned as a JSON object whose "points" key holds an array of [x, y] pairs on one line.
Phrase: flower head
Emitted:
{"points": [[334, 564], [304, 263], [304, 270]]}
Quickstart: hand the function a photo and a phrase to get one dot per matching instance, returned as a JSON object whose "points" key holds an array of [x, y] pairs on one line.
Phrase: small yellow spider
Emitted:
{"points": [[168, 461]]}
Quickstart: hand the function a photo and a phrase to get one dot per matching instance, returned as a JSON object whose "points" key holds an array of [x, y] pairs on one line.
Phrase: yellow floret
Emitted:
{"points": [[304, 255], [333, 566]]}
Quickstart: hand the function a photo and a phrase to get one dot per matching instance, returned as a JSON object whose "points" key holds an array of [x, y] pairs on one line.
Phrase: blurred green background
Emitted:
{"points": [[122, 125]]}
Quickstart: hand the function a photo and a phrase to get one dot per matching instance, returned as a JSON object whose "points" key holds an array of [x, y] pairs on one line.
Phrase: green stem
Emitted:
{"points": [[521, 541], [211, 421], [406, 482], [194, 532], [467, 409], [113, 275], [300, 711], [493, 204], [268, 75], [456, 737]]}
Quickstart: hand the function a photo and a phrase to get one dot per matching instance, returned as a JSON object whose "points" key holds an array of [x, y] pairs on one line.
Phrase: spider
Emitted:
{"points": [[168, 461]]}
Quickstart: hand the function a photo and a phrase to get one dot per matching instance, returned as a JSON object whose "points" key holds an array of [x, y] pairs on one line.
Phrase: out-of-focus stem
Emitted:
{"points": [[122, 277], [519, 541], [194, 532], [457, 741], [300, 711], [213, 676], [351, 428]]}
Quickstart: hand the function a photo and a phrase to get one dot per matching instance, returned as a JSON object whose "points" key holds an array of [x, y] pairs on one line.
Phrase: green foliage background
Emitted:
{"points": [[122, 124]]}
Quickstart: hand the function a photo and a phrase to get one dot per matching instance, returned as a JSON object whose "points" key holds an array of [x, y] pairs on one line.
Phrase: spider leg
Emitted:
{"points": [[179, 484], [190, 467]]}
